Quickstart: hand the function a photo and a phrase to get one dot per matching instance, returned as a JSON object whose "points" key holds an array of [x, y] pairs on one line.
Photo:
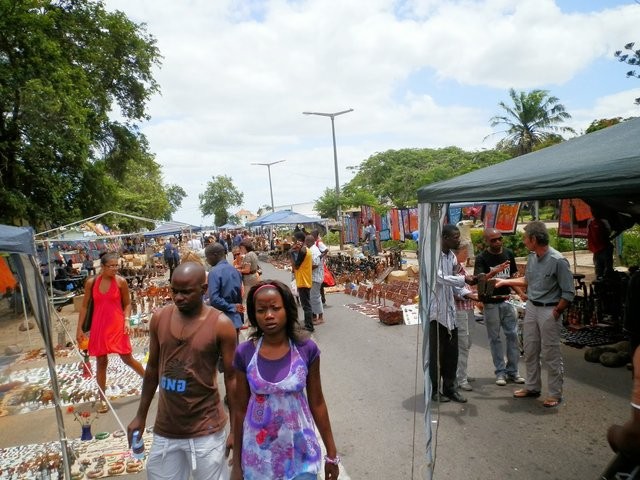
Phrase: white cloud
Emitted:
{"points": [[237, 75]]}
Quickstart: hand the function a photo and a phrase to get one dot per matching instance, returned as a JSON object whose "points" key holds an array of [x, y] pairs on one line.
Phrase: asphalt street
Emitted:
{"points": [[372, 382]]}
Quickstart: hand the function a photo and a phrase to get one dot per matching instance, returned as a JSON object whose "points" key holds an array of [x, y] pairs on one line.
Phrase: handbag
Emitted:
{"points": [[329, 280], [86, 324], [88, 317]]}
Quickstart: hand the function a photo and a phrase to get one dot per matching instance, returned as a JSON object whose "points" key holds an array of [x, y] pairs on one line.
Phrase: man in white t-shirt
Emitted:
{"points": [[465, 238], [195, 243]]}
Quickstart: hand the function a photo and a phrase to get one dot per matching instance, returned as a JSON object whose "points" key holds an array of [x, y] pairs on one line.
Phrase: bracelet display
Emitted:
{"points": [[334, 461]]}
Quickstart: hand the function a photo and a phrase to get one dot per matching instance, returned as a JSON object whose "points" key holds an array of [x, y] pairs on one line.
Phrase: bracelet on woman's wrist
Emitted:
{"points": [[334, 461], [634, 405]]}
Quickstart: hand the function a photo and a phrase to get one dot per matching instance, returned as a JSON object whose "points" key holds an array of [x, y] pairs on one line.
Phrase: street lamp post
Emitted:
{"points": [[268, 165], [335, 165]]}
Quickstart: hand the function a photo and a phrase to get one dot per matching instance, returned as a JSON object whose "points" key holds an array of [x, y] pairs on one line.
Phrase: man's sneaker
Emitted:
{"points": [[501, 381], [516, 379], [466, 386]]}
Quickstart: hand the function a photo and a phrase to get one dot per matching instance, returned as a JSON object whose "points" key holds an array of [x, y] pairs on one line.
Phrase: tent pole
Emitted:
{"points": [[26, 319], [573, 238]]}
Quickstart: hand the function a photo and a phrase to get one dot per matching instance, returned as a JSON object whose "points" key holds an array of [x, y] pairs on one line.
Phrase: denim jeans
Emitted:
{"points": [[502, 315]]}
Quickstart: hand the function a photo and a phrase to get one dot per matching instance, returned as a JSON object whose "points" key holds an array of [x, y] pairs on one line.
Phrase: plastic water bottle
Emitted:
{"points": [[137, 445]]}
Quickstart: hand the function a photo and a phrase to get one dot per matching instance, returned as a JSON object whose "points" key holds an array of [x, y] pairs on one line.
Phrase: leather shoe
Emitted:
{"points": [[438, 397], [456, 397]]}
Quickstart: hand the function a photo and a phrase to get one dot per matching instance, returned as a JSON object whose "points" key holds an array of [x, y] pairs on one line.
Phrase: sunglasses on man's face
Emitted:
{"points": [[497, 239]]}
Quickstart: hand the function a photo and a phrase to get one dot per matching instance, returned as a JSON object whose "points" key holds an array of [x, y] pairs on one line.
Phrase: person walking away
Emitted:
{"points": [[186, 339], [301, 264], [443, 331], [500, 262], [249, 264], [109, 326], [171, 256], [224, 289], [550, 291], [275, 422], [317, 277]]}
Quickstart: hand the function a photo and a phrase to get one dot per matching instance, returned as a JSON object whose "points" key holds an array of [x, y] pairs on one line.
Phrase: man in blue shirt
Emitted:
{"points": [[225, 285]]}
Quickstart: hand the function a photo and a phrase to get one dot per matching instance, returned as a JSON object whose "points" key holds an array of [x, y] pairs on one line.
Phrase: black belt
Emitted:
{"points": [[541, 304]]}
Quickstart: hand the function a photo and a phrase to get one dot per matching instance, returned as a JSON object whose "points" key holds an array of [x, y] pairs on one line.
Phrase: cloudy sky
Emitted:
{"points": [[237, 75]]}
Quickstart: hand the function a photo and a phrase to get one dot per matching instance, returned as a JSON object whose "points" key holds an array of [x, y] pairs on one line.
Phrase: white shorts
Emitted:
{"points": [[201, 457]]}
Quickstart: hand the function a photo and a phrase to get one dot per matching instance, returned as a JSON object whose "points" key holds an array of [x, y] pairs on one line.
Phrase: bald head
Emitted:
{"points": [[189, 272], [493, 240], [490, 232]]}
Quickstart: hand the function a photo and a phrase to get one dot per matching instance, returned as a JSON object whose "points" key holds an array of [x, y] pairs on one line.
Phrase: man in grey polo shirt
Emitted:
{"points": [[550, 291]]}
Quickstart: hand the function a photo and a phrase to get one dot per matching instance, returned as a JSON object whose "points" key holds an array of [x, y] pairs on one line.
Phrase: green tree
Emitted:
{"points": [[602, 123], [393, 177], [632, 58], [220, 195], [263, 210], [532, 119], [175, 195], [64, 66]]}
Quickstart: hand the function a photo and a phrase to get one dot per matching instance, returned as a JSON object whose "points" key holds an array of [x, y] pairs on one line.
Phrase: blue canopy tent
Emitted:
{"points": [[282, 217], [268, 217], [18, 243]]}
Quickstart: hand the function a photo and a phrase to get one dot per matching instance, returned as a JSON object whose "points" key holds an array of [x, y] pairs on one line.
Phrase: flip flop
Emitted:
{"points": [[552, 402], [524, 393]]}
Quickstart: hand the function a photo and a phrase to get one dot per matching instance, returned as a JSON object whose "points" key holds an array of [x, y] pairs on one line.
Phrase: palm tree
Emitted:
{"points": [[534, 118]]}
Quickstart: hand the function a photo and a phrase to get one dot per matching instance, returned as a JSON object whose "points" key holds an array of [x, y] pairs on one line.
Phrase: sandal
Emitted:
{"points": [[524, 393], [552, 402], [103, 407]]}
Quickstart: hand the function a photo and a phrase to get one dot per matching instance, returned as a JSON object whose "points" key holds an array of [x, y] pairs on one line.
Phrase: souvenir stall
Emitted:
{"points": [[19, 244], [601, 168]]}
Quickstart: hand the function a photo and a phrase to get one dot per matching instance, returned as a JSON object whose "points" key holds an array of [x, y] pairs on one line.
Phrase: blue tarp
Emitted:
{"points": [[282, 217], [17, 240]]}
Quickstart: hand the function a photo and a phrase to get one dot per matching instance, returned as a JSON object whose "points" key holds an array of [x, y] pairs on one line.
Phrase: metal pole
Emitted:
{"points": [[268, 165], [335, 166], [270, 187]]}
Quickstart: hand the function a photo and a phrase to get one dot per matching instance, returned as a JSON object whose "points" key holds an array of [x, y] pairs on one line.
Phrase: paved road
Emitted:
{"points": [[373, 390]]}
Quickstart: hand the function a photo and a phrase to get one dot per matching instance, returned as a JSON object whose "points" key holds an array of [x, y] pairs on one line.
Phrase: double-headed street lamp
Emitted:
{"points": [[268, 165], [335, 165]]}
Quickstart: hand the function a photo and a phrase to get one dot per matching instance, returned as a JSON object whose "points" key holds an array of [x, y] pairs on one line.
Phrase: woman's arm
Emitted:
{"points": [[321, 417], [240, 399], [626, 438], [125, 297]]}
